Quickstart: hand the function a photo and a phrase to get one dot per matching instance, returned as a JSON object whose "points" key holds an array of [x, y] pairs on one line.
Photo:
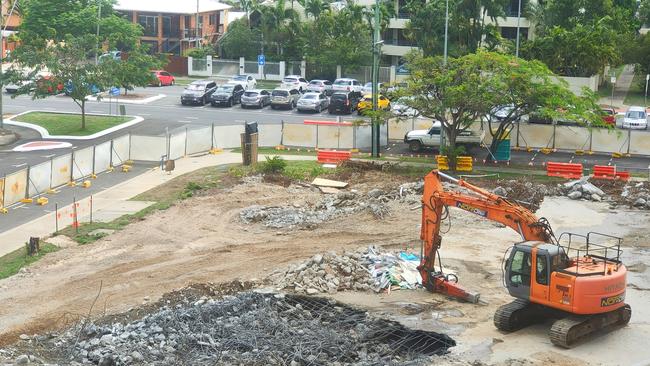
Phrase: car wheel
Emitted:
{"points": [[415, 146], [261, 104], [172, 83], [213, 104], [272, 107], [230, 102], [183, 102]]}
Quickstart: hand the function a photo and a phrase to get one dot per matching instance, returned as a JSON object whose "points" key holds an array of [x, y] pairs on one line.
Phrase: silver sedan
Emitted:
{"points": [[313, 102]]}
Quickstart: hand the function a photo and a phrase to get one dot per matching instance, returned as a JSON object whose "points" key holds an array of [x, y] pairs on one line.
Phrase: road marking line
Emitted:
{"points": [[145, 114], [240, 120], [48, 156], [21, 158], [182, 121], [19, 165], [19, 206], [192, 117]]}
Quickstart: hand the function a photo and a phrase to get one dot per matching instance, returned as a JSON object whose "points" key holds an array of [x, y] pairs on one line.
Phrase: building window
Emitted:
{"points": [[511, 33], [150, 25], [402, 39], [213, 19], [512, 9], [188, 21], [167, 26]]}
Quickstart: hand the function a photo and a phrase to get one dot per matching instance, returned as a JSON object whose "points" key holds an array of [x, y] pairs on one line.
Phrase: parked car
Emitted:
{"points": [[294, 82], [344, 102], [255, 98], [287, 98], [365, 103], [367, 89], [313, 102], [418, 139], [227, 94], [55, 87], [13, 88], [609, 116], [113, 55], [347, 85], [401, 109], [635, 118], [320, 86], [162, 77], [198, 92], [247, 81]]}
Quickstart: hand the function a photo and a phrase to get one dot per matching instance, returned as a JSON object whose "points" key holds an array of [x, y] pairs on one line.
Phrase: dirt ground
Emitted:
{"points": [[203, 240]]}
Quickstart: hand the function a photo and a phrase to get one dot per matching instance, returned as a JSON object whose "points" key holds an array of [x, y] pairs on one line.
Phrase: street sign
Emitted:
{"points": [[613, 79], [115, 91], [261, 60]]}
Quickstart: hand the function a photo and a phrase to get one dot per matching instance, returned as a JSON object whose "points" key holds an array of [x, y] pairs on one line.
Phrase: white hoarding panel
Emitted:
{"points": [[177, 146], [102, 157], [199, 140], [121, 150], [82, 163], [148, 148], [15, 187], [61, 170], [39, 178]]}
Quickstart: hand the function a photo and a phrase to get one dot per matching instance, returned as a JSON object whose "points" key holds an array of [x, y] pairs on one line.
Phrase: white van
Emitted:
{"points": [[635, 118]]}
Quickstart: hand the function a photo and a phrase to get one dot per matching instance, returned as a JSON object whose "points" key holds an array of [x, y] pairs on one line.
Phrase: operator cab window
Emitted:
{"points": [[520, 269], [542, 270]]}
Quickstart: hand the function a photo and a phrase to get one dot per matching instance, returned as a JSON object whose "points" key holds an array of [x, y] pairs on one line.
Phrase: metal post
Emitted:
{"points": [[613, 82], [444, 62], [198, 45], [99, 16], [91, 209], [56, 218], [375, 76], [518, 20], [2, 58], [645, 98]]}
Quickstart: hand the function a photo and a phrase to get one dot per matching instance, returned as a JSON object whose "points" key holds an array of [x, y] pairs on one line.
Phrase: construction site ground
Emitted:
{"points": [[202, 239]]}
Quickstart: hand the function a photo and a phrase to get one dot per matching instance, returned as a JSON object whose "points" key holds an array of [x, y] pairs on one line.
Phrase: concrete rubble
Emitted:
{"points": [[362, 270], [330, 206], [247, 329], [528, 194]]}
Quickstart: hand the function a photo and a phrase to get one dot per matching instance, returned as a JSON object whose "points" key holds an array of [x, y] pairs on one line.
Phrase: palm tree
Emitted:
{"points": [[315, 7]]}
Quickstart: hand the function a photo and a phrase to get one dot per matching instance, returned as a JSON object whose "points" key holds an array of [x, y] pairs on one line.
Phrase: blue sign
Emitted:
{"points": [[114, 91], [261, 60]]}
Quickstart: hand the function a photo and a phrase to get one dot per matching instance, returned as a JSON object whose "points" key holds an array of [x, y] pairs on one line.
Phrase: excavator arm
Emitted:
{"points": [[435, 202]]}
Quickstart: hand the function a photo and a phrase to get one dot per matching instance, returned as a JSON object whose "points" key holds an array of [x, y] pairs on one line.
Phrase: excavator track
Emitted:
{"points": [[568, 331], [516, 315]]}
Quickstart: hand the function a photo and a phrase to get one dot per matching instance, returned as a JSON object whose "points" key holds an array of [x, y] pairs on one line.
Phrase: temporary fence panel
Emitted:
{"points": [[272, 68], [199, 140], [639, 142], [398, 128], [2, 192], [226, 137], [15, 187], [225, 68], [148, 148], [299, 135], [121, 150], [102, 157], [335, 137], [270, 135], [363, 137], [534, 135], [572, 138], [177, 145], [61, 170], [250, 67], [606, 140], [40, 177], [82, 163]]}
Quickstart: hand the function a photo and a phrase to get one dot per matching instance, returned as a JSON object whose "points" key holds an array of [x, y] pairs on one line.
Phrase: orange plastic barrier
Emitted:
{"points": [[564, 170], [609, 172], [332, 156]]}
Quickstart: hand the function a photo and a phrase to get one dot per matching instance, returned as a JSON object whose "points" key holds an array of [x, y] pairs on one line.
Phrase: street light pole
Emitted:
{"points": [[518, 20], [376, 43], [444, 62], [645, 98], [99, 17]]}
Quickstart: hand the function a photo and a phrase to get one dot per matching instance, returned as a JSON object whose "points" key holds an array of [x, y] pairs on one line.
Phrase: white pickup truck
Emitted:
{"points": [[418, 139]]}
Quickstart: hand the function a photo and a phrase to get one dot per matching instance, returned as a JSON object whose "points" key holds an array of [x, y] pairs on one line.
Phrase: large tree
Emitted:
{"points": [[471, 87]]}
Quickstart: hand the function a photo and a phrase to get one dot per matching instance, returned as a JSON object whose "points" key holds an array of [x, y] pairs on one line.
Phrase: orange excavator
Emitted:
{"points": [[585, 292]]}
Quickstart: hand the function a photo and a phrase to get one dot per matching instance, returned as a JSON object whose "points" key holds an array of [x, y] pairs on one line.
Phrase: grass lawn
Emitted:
{"points": [[636, 94], [11, 263], [70, 124], [606, 89]]}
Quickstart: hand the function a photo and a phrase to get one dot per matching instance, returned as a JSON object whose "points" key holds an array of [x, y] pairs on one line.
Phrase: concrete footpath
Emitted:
{"points": [[114, 202]]}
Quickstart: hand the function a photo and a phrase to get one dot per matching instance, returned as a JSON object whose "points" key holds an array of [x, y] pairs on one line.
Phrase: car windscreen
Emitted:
{"points": [[279, 93], [368, 85], [635, 115], [309, 96], [225, 89], [340, 97], [608, 112], [251, 94], [289, 80], [315, 82], [198, 87], [240, 78], [342, 82]]}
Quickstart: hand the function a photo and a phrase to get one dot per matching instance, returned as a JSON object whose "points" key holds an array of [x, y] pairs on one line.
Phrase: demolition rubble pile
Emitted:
{"points": [[582, 189], [365, 270], [527, 193], [247, 329], [330, 206], [637, 194]]}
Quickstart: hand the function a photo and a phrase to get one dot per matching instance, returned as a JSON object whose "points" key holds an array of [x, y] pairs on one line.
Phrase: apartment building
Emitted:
{"points": [[174, 26], [10, 25]]}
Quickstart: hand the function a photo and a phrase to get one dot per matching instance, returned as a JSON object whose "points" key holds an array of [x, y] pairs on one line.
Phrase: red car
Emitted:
{"points": [[609, 116], [162, 77]]}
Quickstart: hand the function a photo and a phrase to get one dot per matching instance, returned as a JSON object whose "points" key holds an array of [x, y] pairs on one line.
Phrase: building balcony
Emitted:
{"points": [[396, 49], [192, 34]]}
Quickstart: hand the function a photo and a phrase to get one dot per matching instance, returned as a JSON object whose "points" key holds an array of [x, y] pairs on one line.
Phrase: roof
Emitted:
{"points": [[170, 6]]}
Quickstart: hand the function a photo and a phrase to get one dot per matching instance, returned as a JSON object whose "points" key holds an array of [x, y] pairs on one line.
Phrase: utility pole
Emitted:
{"points": [[198, 39], [376, 43], [518, 19], [444, 62], [99, 17], [2, 59], [645, 97]]}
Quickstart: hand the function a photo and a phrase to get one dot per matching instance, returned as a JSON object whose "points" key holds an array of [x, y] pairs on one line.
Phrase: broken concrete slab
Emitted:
{"points": [[329, 190], [320, 182]]}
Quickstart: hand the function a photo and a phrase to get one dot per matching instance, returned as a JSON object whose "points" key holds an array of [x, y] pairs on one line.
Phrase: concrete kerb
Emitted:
{"points": [[108, 199], [127, 101], [46, 135]]}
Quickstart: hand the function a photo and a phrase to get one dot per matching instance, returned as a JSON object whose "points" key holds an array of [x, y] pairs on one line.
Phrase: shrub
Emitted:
{"points": [[273, 165]]}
